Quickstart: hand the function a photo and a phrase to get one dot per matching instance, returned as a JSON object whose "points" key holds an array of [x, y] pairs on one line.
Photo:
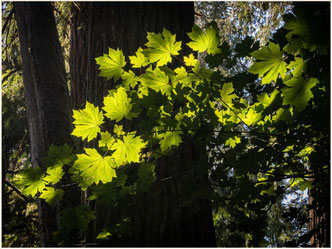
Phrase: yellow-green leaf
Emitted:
{"points": [[139, 60], [118, 106], [298, 93], [94, 167], [31, 181], [51, 195], [87, 122], [208, 41], [128, 150], [161, 47], [269, 63]]}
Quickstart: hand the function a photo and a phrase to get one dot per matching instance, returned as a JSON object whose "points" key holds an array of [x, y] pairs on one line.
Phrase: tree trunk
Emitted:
{"points": [[167, 215], [319, 213], [46, 93]]}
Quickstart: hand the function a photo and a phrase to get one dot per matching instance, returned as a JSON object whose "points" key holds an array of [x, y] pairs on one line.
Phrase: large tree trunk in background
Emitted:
{"points": [[46, 93], [319, 212], [319, 217], [167, 215]]}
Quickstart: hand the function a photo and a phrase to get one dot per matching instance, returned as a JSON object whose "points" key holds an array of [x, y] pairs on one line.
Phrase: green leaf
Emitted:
{"points": [[104, 234], [118, 106], [94, 166], [208, 41], [298, 92], [251, 117], [299, 66], [156, 80], [31, 180], [87, 122], [161, 47], [128, 150], [111, 64], [169, 139], [105, 193], [52, 195], [267, 100], [139, 60], [54, 174], [129, 79], [59, 155], [233, 141], [118, 130], [282, 114], [226, 93], [190, 61], [106, 140], [146, 176], [77, 218], [269, 63]]}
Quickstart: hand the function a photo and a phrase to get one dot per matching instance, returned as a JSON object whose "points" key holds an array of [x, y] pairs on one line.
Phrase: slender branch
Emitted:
{"points": [[18, 191], [8, 18], [10, 73]]}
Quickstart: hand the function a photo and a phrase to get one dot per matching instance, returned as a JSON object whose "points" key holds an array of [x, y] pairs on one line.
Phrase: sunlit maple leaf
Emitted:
{"points": [[299, 66], [226, 93], [251, 117], [95, 166], [233, 141], [161, 47], [156, 80], [106, 140], [87, 122], [139, 60], [118, 106], [128, 150], [111, 64], [169, 139], [190, 60], [51, 195], [269, 63], [31, 181], [208, 41], [298, 93]]}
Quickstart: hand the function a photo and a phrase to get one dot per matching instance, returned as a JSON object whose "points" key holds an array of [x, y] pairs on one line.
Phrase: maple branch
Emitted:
{"points": [[18, 191]]}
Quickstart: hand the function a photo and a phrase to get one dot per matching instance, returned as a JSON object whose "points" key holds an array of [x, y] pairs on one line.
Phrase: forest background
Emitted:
{"points": [[232, 171]]}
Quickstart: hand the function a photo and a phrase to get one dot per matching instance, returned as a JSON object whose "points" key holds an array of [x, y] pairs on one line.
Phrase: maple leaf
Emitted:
{"points": [[139, 60], [267, 100], [251, 117], [93, 165], [31, 180], [161, 47], [169, 139], [118, 106], [146, 176], [129, 79], [106, 140], [226, 93], [51, 195], [298, 66], [269, 63], [111, 64], [77, 218], [190, 61], [54, 174], [156, 80], [128, 150], [59, 155], [232, 141], [87, 122], [298, 92], [205, 41], [118, 130]]}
